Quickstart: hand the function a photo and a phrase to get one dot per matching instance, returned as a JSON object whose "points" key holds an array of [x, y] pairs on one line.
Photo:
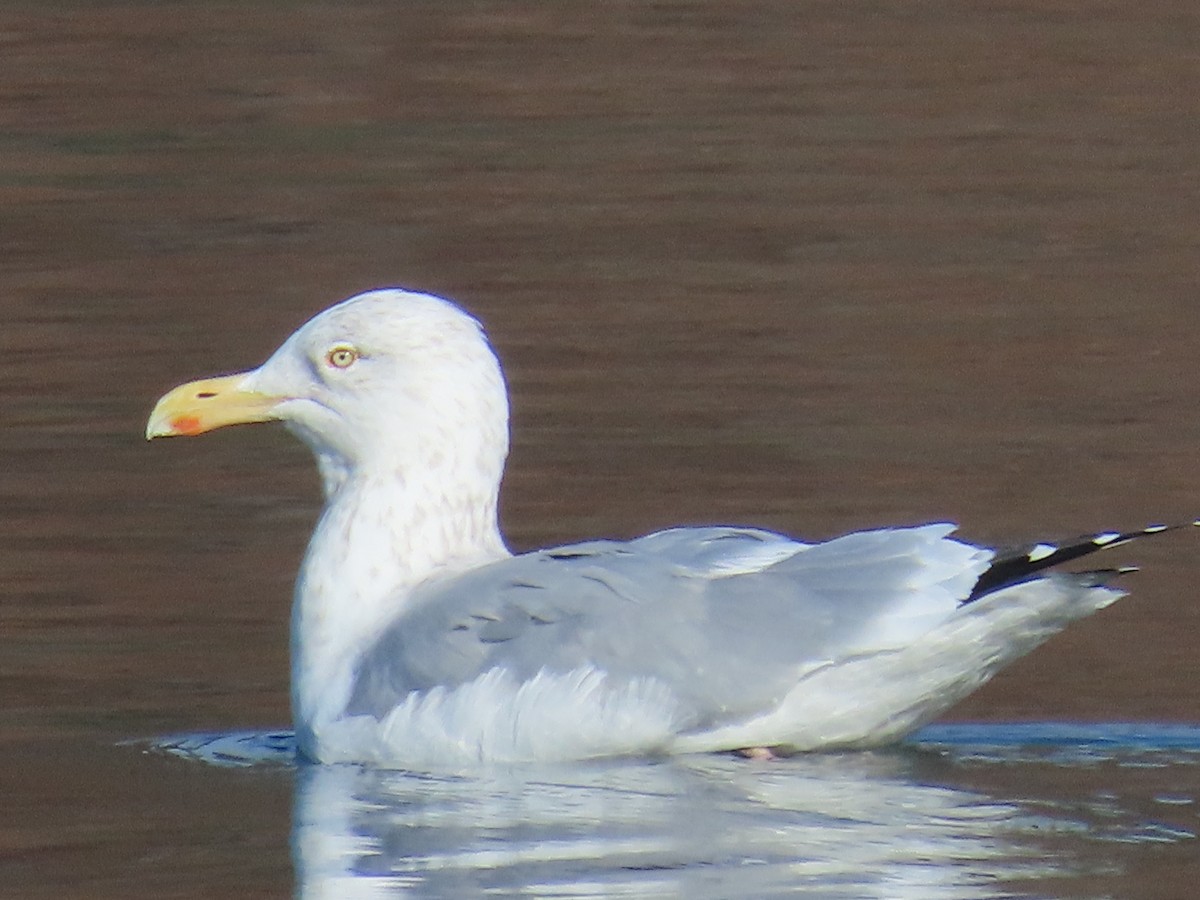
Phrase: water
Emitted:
{"points": [[929, 819], [809, 267], [960, 812]]}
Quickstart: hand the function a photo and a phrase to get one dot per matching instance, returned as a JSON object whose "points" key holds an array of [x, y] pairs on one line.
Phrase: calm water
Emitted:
{"points": [[793, 265]]}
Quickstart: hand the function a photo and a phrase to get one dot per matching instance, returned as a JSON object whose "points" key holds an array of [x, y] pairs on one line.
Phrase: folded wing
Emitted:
{"points": [[727, 620]]}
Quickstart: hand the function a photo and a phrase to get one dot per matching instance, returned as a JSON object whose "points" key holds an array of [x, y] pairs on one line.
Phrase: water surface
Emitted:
{"points": [[805, 266]]}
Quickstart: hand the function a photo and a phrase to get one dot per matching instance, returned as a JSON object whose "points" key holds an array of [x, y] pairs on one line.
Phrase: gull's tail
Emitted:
{"points": [[1014, 566]]}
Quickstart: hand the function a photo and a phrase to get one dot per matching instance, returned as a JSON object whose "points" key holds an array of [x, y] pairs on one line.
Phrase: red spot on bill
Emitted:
{"points": [[186, 425]]}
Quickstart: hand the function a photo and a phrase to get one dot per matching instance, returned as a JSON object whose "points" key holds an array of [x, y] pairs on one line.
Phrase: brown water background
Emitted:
{"points": [[808, 266]]}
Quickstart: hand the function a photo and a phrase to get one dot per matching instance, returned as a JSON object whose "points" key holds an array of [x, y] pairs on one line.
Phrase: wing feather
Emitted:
{"points": [[727, 620]]}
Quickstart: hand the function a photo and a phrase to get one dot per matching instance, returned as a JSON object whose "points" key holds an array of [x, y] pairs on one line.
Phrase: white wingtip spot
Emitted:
{"points": [[1103, 540], [1154, 529], [1041, 551]]}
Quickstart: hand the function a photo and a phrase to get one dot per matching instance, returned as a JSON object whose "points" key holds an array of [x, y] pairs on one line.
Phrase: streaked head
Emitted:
{"points": [[386, 377]]}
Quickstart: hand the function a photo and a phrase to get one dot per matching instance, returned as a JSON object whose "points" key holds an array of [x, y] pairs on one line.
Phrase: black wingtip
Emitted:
{"points": [[1019, 565]]}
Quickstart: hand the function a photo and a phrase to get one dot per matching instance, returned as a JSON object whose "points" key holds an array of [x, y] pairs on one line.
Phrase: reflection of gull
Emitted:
{"points": [[841, 826], [419, 640], [901, 823]]}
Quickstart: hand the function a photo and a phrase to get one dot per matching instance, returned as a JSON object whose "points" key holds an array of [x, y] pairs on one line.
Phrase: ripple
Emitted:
{"points": [[1131, 744], [1066, 743]]}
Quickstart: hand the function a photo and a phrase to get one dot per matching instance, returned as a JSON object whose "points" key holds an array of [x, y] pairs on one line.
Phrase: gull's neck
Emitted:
{"points": [[382, 533]]}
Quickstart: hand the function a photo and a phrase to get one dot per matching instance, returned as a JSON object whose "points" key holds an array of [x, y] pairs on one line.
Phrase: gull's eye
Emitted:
{"points": [[343, 356]]}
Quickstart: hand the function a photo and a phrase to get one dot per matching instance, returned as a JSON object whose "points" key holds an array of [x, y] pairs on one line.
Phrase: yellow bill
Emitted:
{"points": [[200, 406]]}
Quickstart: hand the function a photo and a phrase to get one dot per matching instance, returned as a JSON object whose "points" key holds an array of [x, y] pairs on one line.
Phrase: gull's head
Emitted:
{"points": [[387, 378]]}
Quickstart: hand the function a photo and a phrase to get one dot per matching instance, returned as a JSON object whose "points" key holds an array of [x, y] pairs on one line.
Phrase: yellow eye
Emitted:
{"points": [[342, 356]]}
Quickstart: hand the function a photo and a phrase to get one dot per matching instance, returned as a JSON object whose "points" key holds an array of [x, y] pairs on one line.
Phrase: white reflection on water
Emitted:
{"points": [[897, 824], [852, 825], [697, 827]]}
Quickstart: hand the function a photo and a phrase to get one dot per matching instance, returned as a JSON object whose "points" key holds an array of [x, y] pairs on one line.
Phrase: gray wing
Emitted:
{"points": [[728, 619]]}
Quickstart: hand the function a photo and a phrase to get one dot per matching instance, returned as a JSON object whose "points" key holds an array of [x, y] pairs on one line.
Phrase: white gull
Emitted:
{"points": [[418, 639]]}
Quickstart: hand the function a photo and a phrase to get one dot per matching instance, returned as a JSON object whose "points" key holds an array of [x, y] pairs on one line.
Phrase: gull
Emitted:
{"points": [[419, 639]]}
